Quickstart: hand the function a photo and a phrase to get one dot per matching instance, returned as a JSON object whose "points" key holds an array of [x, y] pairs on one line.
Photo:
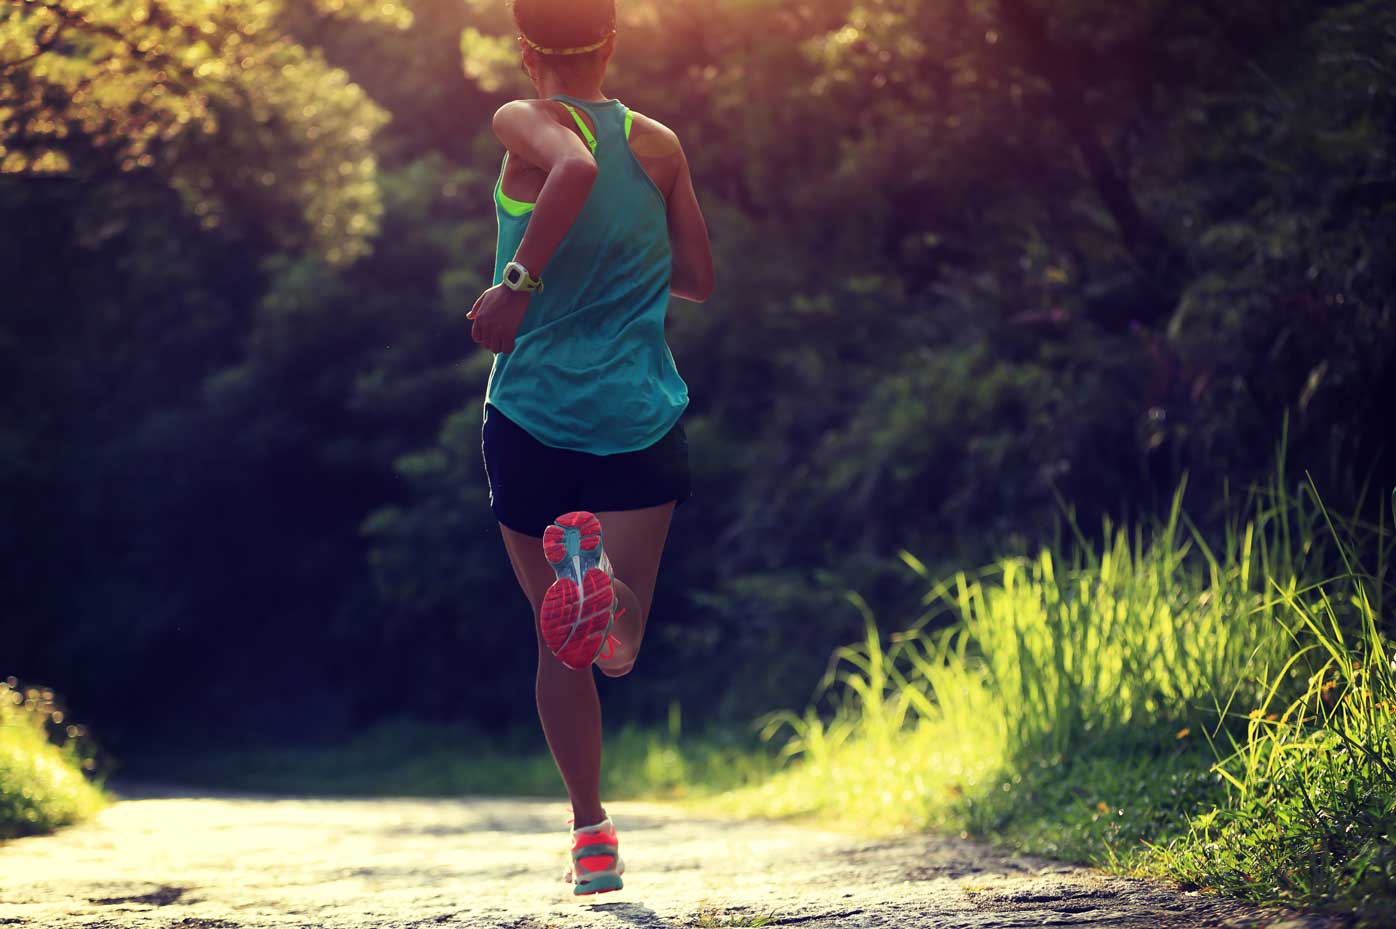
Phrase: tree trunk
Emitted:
{"points": [[1146, 244]]}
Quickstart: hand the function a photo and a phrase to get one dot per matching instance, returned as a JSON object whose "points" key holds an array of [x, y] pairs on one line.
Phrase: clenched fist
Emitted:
{"points": [[497, 315]]}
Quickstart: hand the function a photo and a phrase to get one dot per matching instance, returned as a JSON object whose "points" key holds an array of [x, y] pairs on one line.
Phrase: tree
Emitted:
{"points": [[244, 122]]}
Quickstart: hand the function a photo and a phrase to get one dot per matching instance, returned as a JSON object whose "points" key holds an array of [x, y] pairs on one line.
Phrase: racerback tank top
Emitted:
{"points": [[590, 369]]}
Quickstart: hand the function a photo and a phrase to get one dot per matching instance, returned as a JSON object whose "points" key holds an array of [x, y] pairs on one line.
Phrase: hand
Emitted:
{"points": [[497, 315]]}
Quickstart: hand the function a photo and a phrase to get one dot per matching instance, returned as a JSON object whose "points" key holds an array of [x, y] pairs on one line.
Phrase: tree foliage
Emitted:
{"points": [[213, 95], [975, 256]]}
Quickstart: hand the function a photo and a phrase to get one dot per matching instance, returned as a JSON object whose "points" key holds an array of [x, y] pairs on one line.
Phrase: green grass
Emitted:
{"points": [[1221, 715], [711, 917], [42, 784], [1311, 812], [409, 758]]}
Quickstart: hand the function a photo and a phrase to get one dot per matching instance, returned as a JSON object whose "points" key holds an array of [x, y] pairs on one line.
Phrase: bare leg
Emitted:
{"points": [[568, 705], [567, 702], [634, 542]]}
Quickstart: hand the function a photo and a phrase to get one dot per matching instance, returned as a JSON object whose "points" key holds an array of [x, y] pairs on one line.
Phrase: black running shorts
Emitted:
{"points": [[531, 484]]}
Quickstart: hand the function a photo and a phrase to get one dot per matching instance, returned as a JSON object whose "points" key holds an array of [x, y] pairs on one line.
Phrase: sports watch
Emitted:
{"points": [[516, 277]]}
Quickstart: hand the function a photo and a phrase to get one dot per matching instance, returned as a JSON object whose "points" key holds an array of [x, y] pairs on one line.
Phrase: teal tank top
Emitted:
{"points": [[590, 369]]}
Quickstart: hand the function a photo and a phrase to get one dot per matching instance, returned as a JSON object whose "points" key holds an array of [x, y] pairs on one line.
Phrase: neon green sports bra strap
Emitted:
{"points": [[582, 125], [510, 205], [629, 120]]}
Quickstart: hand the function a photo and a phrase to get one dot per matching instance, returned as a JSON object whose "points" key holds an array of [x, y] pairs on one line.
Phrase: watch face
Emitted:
{"points": [[513, 276]]}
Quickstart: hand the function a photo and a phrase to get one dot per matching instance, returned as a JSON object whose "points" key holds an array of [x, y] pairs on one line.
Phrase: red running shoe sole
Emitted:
{"points": [[577, 609], [587, 533]]}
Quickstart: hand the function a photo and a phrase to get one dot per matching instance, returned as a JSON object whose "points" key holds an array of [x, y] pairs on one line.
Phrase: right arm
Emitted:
{"points": [[692, 274]]}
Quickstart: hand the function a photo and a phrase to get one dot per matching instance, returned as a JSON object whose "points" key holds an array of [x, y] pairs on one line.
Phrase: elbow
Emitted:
{"points": [[703, 288], [695, 285], [696, 291], [578, 170]]}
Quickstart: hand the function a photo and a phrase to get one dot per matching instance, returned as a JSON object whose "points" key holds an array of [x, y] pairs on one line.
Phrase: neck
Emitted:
{"points": [[550, 85]]}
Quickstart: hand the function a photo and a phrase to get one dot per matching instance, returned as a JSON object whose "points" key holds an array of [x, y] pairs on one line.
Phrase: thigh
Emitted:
{"points": [[531, 569], [634, 541]]}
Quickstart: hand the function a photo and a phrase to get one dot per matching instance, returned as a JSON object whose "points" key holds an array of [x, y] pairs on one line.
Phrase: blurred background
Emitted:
{"points": [[980, 264]]}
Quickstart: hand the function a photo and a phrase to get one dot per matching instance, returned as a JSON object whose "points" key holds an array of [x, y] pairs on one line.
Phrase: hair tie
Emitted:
{"points": [[579, 50]]}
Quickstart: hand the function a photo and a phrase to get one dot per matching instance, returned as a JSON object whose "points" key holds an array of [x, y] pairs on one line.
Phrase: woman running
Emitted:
{"points": [[598, 225]]}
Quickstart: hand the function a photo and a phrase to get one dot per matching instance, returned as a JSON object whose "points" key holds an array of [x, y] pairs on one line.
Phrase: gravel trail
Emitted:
{"points": [[161, 860]]}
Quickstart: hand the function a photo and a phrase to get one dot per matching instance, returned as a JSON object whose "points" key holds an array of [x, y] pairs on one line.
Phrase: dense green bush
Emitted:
{"points": [[44, 760]]}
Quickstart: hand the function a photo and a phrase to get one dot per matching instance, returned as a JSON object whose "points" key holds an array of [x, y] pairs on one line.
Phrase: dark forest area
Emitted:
{"points": [[978, 261]]}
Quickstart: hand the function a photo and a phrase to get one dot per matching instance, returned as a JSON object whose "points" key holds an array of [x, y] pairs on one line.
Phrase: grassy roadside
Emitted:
{"points": [[416, 759], [1221, 717], [42, 763]]}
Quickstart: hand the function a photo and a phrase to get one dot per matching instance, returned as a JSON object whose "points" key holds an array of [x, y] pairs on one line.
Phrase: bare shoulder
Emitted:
{"points": [[521, 114], [651, 138]]}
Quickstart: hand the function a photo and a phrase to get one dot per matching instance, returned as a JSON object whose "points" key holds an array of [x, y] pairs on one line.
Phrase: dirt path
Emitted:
{"points": [[229, 862]]}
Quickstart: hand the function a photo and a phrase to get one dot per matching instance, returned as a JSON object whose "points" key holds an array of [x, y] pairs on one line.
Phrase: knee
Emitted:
{"points": [[551, 666]]}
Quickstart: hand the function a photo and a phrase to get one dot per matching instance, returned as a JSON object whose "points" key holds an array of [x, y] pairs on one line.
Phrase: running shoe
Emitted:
{"points": [[596, 865], [580, 606]]}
